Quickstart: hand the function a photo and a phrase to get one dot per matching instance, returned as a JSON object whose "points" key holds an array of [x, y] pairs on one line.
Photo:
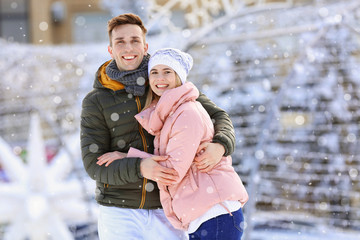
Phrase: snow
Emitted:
{"points": [[299, 226]]}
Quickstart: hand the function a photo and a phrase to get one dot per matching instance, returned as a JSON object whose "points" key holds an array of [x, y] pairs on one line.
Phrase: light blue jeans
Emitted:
{"points": [[136, 224]]}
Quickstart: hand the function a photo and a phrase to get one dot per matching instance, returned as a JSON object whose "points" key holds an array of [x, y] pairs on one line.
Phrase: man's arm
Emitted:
{"points": [[223, 143], [224, 129], [149, 166], [95, 141]]}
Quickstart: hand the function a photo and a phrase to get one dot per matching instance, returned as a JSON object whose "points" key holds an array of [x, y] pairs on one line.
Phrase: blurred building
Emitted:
{"points": [[67, 21], [53, 22]]}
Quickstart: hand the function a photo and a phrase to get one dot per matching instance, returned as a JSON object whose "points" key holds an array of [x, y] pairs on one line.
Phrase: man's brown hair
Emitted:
{"points": [[126, 18]]}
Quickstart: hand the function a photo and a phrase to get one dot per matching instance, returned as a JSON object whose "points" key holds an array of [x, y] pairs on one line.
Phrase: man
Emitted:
{"points": [[126, 189]]}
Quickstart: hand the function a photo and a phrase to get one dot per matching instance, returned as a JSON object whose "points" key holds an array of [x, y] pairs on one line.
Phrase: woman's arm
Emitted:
{"points": [[149, 166], [184, 139]]}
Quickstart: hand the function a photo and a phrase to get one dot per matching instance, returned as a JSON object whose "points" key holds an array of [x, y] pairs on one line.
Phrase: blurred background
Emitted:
{"points": [[287, 72]]}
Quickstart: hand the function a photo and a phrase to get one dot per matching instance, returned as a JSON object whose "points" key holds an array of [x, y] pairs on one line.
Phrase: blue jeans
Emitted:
{"points": [[223, 227]]}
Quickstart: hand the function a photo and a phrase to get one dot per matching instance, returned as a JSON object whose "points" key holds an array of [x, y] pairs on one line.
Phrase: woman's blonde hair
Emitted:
{"points": [[151, 96]]}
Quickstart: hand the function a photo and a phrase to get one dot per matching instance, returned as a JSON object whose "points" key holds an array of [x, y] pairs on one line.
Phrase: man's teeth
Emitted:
{"points": [[129, 57]]}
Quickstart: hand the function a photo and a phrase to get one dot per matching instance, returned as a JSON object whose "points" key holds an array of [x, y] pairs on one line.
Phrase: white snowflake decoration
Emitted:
{"points": [[38, 201]]}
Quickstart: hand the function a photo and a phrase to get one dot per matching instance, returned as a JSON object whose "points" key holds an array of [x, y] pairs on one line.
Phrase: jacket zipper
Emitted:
{"points": [[143, 193]]}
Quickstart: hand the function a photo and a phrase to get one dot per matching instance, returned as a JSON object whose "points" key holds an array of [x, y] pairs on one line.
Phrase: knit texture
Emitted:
{"points": [[179, 61], [133, 80]]}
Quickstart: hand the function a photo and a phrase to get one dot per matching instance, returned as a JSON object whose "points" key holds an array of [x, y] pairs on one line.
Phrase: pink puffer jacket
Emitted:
{"points": [[180, 124]]}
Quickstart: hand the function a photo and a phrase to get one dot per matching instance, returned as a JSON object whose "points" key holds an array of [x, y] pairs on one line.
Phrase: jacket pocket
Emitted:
{"points": [[192, 177]]}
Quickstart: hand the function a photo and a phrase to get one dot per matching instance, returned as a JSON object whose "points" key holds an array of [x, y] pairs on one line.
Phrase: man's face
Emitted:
{"points": [[128, 46]]}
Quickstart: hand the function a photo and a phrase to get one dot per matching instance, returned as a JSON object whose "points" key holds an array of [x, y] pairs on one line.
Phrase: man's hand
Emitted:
{"points": [[208, 155], [109, 157], [151, 169]]}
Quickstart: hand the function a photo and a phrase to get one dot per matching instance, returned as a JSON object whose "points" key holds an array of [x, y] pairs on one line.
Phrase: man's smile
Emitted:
{"points": [[130, 57]]}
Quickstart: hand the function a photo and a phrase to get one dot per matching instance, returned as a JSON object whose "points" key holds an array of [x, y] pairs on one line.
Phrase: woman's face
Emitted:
{"points": [[161, 78]]}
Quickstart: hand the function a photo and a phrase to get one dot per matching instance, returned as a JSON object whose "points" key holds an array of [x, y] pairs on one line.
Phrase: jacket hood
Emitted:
{"points": [[102, 80], [153, 118]]}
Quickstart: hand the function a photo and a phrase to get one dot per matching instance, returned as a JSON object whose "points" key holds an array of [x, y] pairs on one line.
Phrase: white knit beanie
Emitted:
{"points": [[179, 61]]}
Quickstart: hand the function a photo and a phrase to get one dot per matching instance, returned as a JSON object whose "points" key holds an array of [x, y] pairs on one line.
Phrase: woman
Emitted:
{"points": [[207, 205]]}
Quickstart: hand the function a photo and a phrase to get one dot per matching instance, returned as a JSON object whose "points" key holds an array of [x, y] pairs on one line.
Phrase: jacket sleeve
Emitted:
{"points": [[133, 152], [224, 129], [184, 139], [95, 141]]}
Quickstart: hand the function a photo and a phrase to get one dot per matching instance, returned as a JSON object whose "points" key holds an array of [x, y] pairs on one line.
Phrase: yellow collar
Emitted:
{"points": [[106, 81]]}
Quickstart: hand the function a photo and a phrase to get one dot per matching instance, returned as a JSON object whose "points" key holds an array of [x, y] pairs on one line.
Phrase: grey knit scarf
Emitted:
{"points": [[134, 80]]}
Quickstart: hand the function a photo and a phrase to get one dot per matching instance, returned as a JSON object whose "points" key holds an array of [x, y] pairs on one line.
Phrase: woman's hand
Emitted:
{"points": [[208, 155], [151, 169], [109, 157]]}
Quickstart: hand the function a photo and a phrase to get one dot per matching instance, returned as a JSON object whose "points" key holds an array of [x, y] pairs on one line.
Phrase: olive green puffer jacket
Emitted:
{"points": [[108, 124]]}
